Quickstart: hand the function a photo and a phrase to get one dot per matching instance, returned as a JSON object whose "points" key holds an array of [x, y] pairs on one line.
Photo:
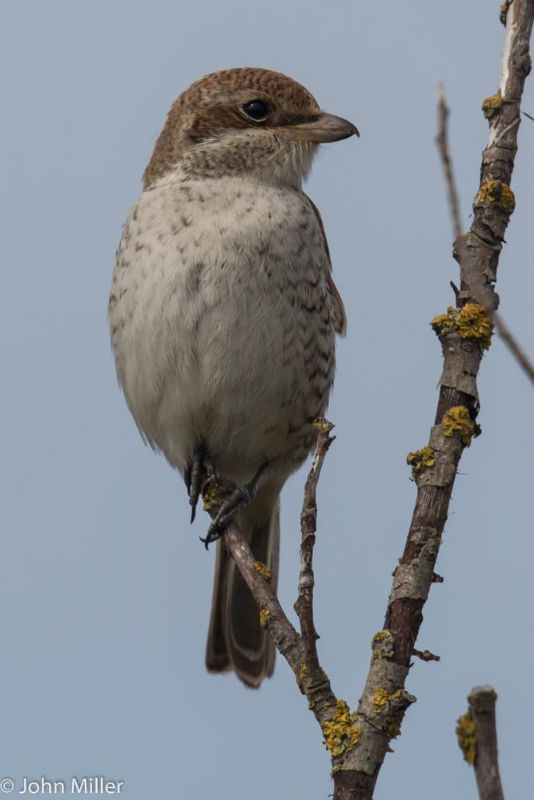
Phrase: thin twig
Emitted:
{"points": [[299, 650], [477, 737], [426, 655], [513, 345], [308, 527], [442, 141], [271, 612]]}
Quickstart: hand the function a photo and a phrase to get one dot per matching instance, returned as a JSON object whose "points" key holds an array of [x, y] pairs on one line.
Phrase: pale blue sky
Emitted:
{"points": [[105, 591]]}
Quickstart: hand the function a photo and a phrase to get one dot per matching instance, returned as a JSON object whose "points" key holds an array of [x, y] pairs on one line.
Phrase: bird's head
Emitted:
{"points": [[244, 121]]}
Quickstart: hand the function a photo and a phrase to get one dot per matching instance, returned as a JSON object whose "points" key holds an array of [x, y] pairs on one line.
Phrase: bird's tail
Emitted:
{"points": [[236, 641]]}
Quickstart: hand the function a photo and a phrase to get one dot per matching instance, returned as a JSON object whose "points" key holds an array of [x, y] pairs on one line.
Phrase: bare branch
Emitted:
{"points": [[308, 526], [299, 650], [434, 467], [442, 141], [271, 612], [477, 737]]}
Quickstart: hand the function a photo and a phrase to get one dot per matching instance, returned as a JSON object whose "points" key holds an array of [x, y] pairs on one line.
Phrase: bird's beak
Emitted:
{"points": [[322, 128]]}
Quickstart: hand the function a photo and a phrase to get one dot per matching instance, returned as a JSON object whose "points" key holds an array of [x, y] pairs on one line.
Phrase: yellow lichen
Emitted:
{"points": [[380, 700], [492, 104], [264, 617], [382, 645], [301, 673], [466, 735], [381, 636], [213, 497], [263, 570], [457, 421], [322, 425], [471, 322], [418, 459], [496, 192], [445, 323], [391, 707], [341, 733]]}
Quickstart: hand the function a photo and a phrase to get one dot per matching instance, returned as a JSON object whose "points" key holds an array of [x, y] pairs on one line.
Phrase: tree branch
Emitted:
{"points": [[513, 345], [464, 334], [299, 651], [489, 107], [477, 737], [442, 141], [308, 527]]}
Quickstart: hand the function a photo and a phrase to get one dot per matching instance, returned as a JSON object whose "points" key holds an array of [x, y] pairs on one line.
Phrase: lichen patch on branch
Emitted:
{"points": [[322, 425], [263, 570], [301, 673], [382, 645], [466, 735], [390, 707], [496, 192], [419, 459], [470, 321], [492, 104], [457, 422], [213, 497], [264, 617], [341, 733]]}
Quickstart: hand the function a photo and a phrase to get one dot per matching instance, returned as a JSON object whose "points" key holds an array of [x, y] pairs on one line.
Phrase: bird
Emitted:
{"points": [[223, 316]]}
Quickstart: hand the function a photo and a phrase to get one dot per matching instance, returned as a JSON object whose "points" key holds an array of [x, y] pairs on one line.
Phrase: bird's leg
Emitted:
{"points": [[237, 497], [198, 471]]}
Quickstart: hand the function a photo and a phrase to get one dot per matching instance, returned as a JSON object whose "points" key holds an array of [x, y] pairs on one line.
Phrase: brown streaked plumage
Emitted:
{"points": [[211, 105], [223, 315]]}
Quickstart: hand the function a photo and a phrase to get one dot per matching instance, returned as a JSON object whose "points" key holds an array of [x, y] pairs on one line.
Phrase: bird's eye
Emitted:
{"points": [[256, 110]]}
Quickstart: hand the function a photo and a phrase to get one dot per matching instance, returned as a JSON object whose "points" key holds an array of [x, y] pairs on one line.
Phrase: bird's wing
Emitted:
{"points": [[340, 318]]}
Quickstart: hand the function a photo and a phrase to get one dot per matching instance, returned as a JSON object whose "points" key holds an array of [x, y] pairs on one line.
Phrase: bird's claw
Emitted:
{"points": [[227, 510], [224, 499], [199, 471]]}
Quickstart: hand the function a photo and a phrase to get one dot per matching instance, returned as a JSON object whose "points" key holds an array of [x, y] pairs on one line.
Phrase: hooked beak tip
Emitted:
{"points": [[324, 128]]}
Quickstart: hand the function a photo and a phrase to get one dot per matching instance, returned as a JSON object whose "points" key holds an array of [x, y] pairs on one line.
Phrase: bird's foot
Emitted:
{"points": [[224, 499], [197, 474]]}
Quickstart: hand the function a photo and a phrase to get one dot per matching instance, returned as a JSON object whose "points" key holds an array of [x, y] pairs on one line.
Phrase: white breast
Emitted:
{"points": [[209, 323]]}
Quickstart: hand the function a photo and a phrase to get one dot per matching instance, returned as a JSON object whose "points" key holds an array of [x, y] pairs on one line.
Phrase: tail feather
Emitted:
{"points": [[236, 641]]}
